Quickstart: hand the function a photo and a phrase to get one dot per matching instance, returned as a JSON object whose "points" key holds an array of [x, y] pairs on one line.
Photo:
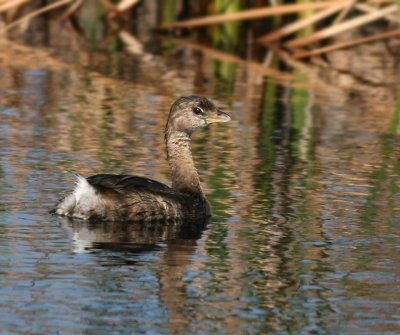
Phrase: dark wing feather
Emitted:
{"points": [[133, 198], [128, 183]]}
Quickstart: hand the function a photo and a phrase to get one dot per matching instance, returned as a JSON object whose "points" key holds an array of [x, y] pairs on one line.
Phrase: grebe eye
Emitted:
{"points": [[198, 111]]}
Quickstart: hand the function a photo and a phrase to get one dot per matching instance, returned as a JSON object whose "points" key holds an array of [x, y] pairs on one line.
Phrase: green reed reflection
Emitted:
{"points": [[107, 135], [302, 144], [219, 180], [268, 123], [76, 114], [2, 184], [284, 227], [114, 67], [301, 125], [385, 178]]}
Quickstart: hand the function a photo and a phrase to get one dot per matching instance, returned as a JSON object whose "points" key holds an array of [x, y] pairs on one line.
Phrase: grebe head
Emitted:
{"points": [[192, 113]]}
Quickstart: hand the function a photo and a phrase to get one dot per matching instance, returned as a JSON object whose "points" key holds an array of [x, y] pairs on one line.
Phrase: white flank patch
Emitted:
{"points": [[84, 190], [81, 202], [86, 197]]}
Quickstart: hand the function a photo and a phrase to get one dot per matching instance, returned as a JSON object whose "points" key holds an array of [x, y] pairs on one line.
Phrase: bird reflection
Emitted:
{"points": [[134, 237]]}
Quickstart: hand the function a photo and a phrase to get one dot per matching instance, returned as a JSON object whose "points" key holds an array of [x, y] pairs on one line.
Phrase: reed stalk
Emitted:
{"points": [[342, 27], [35, 13], [299, 24], [347, 44], [252, 14], [11, 5]]}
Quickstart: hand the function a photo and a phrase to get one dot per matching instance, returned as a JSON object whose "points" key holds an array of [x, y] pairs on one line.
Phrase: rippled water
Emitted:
{"points": [[304, 186]]}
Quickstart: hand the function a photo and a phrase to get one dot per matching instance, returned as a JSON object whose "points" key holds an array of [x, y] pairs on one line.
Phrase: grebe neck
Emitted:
{"points": [[185, 178]]}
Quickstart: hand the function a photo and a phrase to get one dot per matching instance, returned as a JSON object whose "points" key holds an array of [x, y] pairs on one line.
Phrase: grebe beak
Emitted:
{"points": [[218, 116]]}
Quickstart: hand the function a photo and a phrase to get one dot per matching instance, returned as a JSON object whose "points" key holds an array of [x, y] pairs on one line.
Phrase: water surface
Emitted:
{"points": [[304, 186]]}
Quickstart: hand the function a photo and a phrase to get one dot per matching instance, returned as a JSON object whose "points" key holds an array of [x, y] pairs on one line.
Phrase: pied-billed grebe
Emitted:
{"points": [[108, 197]]}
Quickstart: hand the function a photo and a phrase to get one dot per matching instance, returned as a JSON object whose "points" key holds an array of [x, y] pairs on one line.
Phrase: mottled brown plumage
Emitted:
{"points": [[108, 197]]}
